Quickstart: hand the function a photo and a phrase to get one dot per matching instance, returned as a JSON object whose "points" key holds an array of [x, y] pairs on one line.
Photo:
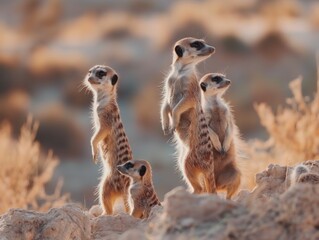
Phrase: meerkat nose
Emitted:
{"points": [[92, 80], [227, 82], [211, 49], [203, 86]]}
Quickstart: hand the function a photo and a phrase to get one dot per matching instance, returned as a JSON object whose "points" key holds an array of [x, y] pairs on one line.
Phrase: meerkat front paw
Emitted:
{"points": [[218, 146], [223, 152], [166, 130], [225, 147], [94, 155], [172, 128]]}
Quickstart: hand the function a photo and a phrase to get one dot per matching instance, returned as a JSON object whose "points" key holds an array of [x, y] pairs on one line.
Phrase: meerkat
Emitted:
{"points": [[109, 137], [142, 194], [222, 132], [182, 114], [302, 174]]}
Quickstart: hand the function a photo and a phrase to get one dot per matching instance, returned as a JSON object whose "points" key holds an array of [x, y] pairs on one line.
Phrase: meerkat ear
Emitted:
{"points": [[114, 79], [142, 171], [179, 51]]}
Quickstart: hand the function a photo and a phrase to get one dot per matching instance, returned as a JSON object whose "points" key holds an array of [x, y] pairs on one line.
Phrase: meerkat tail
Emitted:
{"points": [[204, 140], [124, 152]]}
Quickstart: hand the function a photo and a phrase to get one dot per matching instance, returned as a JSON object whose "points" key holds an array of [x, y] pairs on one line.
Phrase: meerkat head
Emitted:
{"points": [[191, 50], [138, 170], [101, 77], [214, 84]]}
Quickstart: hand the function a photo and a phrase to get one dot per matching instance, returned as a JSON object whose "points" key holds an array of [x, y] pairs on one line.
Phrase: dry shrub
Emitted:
{"points": [[25, 171], [293, 134]]}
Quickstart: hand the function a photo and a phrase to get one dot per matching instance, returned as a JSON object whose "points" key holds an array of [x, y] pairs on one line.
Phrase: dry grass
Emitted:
{"points": [[25, 171], [293, 134]]}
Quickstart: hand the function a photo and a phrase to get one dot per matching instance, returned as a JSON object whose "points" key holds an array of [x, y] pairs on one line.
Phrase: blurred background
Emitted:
{"points": [[47, 47]]}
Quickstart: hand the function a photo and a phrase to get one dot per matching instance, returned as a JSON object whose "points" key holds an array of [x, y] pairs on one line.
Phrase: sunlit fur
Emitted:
{"points": [[222, 132], [181, 112], [142, 196], [109, 137]]}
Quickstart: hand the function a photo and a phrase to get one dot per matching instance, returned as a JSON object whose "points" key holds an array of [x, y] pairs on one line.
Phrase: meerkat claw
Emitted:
{"points": [[223, 152], [94, 158], [166, 131]]}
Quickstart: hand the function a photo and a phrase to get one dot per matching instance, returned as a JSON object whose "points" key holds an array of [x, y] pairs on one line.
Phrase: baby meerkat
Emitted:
{"points": [[181, 112], [110, 135], [142, 194], [302, 174], [222, 131]]}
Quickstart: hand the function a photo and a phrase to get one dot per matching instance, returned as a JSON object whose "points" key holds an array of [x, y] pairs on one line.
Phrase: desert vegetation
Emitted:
{"points": [[293, 134], [46, 48], [25, 171]]}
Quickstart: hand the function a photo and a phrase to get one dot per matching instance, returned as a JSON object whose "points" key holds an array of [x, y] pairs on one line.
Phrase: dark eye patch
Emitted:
{"points": [[129, 165], [197, 44], [100, 74], [217, 79]]}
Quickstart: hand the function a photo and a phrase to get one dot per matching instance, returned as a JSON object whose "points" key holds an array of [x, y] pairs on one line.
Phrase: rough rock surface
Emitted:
{"points": [[68, 222], [274, 210]]}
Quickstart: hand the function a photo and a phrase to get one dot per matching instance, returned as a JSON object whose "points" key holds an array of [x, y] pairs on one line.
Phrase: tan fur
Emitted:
{"points": [[222, 131], [110, 135], [142, 194], [302, 174], [181, 112]]}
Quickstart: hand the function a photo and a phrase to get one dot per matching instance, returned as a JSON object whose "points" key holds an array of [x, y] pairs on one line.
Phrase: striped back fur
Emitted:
{"points": [[116, 148]]}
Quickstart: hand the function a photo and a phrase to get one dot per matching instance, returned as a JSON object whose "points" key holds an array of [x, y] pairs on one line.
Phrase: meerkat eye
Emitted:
{"points": [[217, 79], [129, 165], [100, 74], [197, 44]]}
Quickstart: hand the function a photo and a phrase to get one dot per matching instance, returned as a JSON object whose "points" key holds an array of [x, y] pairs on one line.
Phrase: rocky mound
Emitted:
{"points": [[274, 210]]}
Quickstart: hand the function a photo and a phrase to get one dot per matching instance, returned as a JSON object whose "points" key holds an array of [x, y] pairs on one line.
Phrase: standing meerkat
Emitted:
{"points": [[110, 135], [222, 132], [142, 194], [181, 112]]}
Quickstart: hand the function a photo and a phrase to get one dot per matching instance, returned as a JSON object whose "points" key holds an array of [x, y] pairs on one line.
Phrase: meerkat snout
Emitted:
{"points": [[92, 80], [224, 83]]}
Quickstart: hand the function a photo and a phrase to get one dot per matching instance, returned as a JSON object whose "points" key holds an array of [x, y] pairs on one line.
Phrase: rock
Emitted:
{"points": [[276, 180], [68, 222], [274, 210], [271, 182], [111, 227], [293, 215], [96, 211]]}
